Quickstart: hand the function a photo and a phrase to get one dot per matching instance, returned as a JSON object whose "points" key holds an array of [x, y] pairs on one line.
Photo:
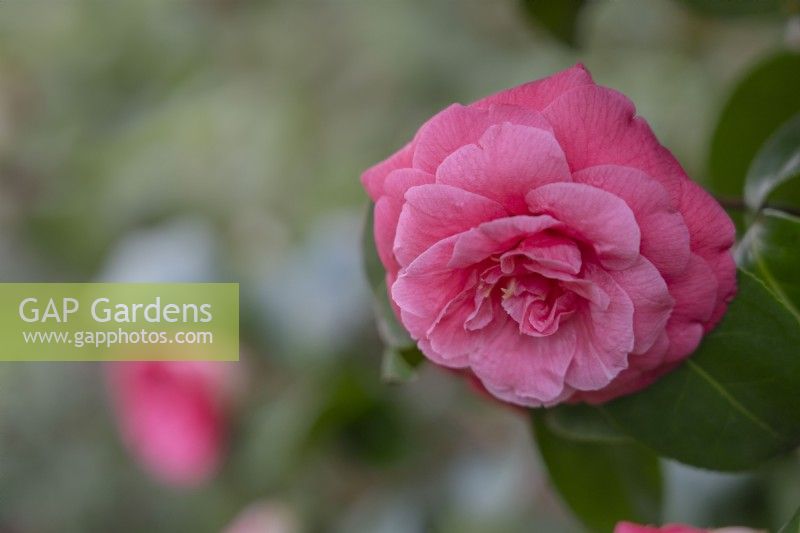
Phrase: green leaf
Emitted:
{"points": [[603, 483], [400, 365], [771, 250], [400, 356], [734, 403], [777, 162], [360, 417], [559, 17], [763, 100], [583, 423], [733, 8], [373, 267], [392, 332], [793, 526]]}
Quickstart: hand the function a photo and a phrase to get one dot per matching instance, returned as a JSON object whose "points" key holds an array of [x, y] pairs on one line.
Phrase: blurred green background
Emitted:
{"points": [[223, 140]]}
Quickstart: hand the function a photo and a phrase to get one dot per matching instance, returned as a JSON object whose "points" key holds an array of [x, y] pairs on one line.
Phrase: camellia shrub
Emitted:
{"points": [[544, 244]]}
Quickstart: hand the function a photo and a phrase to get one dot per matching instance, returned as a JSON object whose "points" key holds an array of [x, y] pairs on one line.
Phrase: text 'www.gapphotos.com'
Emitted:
{"points": [[79, 339]]}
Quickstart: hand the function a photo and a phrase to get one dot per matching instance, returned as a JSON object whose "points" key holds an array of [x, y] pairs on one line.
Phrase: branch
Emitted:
{"points": [[737, 204]]}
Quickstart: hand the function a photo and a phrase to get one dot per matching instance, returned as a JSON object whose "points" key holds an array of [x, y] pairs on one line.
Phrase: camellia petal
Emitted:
{"points": [[652, 302], [433, 212], [493, 237], [502, 166], [458, 125], [605, 337], [532, 369], [665, 237], [598, 126], [712, 235], [540, 93], [427, 285], [374, 177], [597, 217]]}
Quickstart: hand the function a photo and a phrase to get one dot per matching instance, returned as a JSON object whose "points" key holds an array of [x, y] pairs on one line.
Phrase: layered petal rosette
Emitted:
{"points": [[544, 240]]}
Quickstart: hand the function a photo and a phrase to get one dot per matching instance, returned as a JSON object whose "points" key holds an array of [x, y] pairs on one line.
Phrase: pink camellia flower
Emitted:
{"points": [[627, 527], [543, 239], [172, 416]]}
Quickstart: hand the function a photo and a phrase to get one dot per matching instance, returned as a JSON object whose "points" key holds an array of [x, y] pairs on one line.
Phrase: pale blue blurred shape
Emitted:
{"points": [[484, 485], [502, 489], [383, 514], [690, 492], [317, 297], [181, 249]]}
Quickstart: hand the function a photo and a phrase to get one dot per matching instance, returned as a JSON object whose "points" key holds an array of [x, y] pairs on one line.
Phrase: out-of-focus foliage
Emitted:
{"points": [[601, 480], [763, 100], [559, 17], [793, 526], [399, 364], [733, 8], [772, 171]]}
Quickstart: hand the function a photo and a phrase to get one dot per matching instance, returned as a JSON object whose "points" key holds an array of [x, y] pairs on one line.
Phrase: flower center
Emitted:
{"points": [[534, 284], [537, 304]]}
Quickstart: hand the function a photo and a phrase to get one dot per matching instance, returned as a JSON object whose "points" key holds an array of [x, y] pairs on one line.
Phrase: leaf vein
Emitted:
{"points": [[733, 401]]}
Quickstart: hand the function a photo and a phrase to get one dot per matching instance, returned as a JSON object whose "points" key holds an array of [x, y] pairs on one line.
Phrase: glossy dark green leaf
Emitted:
{"points": [[736, 402], [763, 100], [558, 17], [771, 250], [583, 423], [732, 8], [603, 483], [793, 526], [777, 162]]}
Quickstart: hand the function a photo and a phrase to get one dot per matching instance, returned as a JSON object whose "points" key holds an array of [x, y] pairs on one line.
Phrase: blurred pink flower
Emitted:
{"points": [[628, 527], [172, 416], [542, 239]]}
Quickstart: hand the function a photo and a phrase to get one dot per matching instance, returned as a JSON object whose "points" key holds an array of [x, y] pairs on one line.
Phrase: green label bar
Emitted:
{"points": [[119, 321]]}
